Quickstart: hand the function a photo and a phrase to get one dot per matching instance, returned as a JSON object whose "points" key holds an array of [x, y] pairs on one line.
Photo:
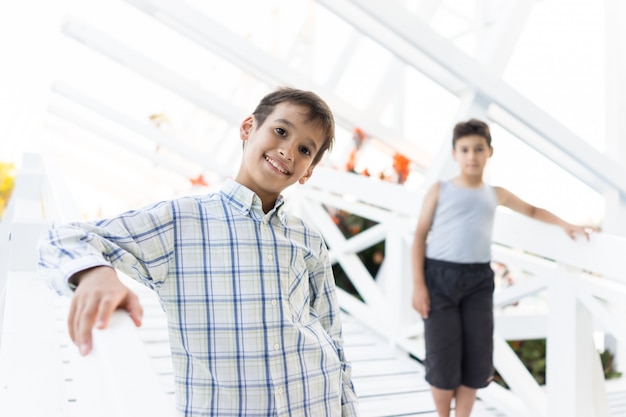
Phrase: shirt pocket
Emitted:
{"points": [[299, 292]]}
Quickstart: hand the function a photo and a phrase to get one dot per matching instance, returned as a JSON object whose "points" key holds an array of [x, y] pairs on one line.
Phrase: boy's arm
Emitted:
{"points": [[510, 200], [82, 256], [138, 243], [326, 305], [421, 298]]}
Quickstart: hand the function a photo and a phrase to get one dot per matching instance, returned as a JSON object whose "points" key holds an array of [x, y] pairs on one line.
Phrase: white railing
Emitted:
{"points": [[41, 372], [581, 285]]}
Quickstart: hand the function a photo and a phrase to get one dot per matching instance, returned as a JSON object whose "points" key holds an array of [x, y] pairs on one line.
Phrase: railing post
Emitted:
{"points": [[396, 277], [22, 224], [532, 400], [574, 379]]}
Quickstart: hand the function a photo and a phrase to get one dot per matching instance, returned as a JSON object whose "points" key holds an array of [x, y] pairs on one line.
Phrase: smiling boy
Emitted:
{"points": [[253, 318]]}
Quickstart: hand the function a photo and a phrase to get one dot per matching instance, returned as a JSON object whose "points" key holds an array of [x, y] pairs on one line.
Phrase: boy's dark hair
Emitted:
{"points": [[319, 112], [471, 127]]}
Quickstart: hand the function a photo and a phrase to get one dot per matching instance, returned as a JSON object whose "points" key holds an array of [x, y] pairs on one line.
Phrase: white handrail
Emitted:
{"points": [[41, 371], [581, 278]]}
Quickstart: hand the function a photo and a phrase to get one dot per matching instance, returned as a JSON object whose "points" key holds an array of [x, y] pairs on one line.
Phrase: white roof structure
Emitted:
{"points": [[133, 99], [87, 83]]}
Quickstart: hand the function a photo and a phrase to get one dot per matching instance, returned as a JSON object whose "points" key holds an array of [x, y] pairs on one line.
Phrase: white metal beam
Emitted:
{"points": [[494, 48], [151, 70], [149, 131], [615, 61], [502, 34], [413, 57], [185, 170], [212, 35], [418, 34]]}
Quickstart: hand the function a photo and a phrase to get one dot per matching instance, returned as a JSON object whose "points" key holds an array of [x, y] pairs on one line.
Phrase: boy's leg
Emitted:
{"points": [[464, 398], [477, 316], [443, 336], [443, 400]]}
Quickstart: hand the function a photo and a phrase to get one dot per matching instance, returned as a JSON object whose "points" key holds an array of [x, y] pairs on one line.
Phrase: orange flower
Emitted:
{"points": [[401, 166], [199, 181]]}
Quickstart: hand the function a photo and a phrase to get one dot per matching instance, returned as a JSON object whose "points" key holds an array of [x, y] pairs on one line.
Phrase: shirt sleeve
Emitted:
{"points": [[138, 243], [324, 302]]}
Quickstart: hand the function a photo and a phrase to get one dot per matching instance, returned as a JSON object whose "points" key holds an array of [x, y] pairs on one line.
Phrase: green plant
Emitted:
{"points": [[532, 353]]}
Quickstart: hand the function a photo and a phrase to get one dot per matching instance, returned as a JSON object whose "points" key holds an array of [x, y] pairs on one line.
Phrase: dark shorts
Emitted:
{"points": [[459, 329]]}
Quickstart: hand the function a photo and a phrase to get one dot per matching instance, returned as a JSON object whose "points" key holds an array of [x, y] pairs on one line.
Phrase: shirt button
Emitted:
{"points": [[276, 346], [274, 302], [270, 257], [280, 390]]}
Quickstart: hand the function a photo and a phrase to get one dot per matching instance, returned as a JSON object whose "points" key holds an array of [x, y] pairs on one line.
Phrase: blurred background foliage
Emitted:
{"points": [[7, 182]]}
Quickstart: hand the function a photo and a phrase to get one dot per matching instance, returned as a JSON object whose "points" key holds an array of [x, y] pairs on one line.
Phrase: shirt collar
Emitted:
{"points": [[249, 203]]}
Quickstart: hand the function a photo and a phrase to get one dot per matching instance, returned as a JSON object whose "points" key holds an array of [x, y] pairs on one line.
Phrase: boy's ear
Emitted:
{"points": [[306, 175], [490, 151], [246, 127]]}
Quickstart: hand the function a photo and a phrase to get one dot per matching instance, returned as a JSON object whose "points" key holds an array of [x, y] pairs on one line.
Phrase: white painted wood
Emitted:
{"points": [[502, 31], [167, 162], [570, 342], [615, 93], [117, 378], [147, 130], [393, 280], [516, 240], [527, 287], [38, 361], [520, 326], [23, 253], [31, 374], [395, 199], [503, 400], [565, 145], [518, 378], [359, 275], [597, 255], [212, 35], [537, 266]]}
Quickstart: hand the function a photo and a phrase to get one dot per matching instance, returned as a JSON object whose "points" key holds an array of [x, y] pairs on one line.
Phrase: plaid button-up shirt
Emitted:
{"points": [[250, 298]]}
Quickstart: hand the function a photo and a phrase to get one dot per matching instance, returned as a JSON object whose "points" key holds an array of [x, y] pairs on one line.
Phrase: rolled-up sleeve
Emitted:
{"points": [[139, 243]]}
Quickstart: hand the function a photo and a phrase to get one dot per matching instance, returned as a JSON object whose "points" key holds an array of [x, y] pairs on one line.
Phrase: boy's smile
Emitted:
{"points": [[278, 153]]}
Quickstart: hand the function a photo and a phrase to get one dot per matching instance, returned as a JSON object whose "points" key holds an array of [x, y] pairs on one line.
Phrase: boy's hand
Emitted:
{"points": [[421, 300], [572, 230], [98, 294]]}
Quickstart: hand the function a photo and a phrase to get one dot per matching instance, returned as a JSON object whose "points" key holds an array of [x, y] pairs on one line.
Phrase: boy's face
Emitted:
{"points": [[471, 153], [280, 152]]}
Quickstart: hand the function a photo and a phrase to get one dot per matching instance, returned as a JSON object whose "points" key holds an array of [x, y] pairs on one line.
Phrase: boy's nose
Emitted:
{"points": [[286, 152]]}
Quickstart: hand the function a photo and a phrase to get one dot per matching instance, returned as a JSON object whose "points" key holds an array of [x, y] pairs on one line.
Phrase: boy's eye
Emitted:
{"points": [[305, 150], [281, 131]]}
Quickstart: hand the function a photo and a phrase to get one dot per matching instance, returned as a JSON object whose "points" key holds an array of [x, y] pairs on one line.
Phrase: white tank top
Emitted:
{"points": [[462, 225]]}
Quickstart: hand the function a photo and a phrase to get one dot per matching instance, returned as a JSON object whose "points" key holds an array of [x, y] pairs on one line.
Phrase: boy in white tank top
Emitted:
{"points": [[453, 280]]}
